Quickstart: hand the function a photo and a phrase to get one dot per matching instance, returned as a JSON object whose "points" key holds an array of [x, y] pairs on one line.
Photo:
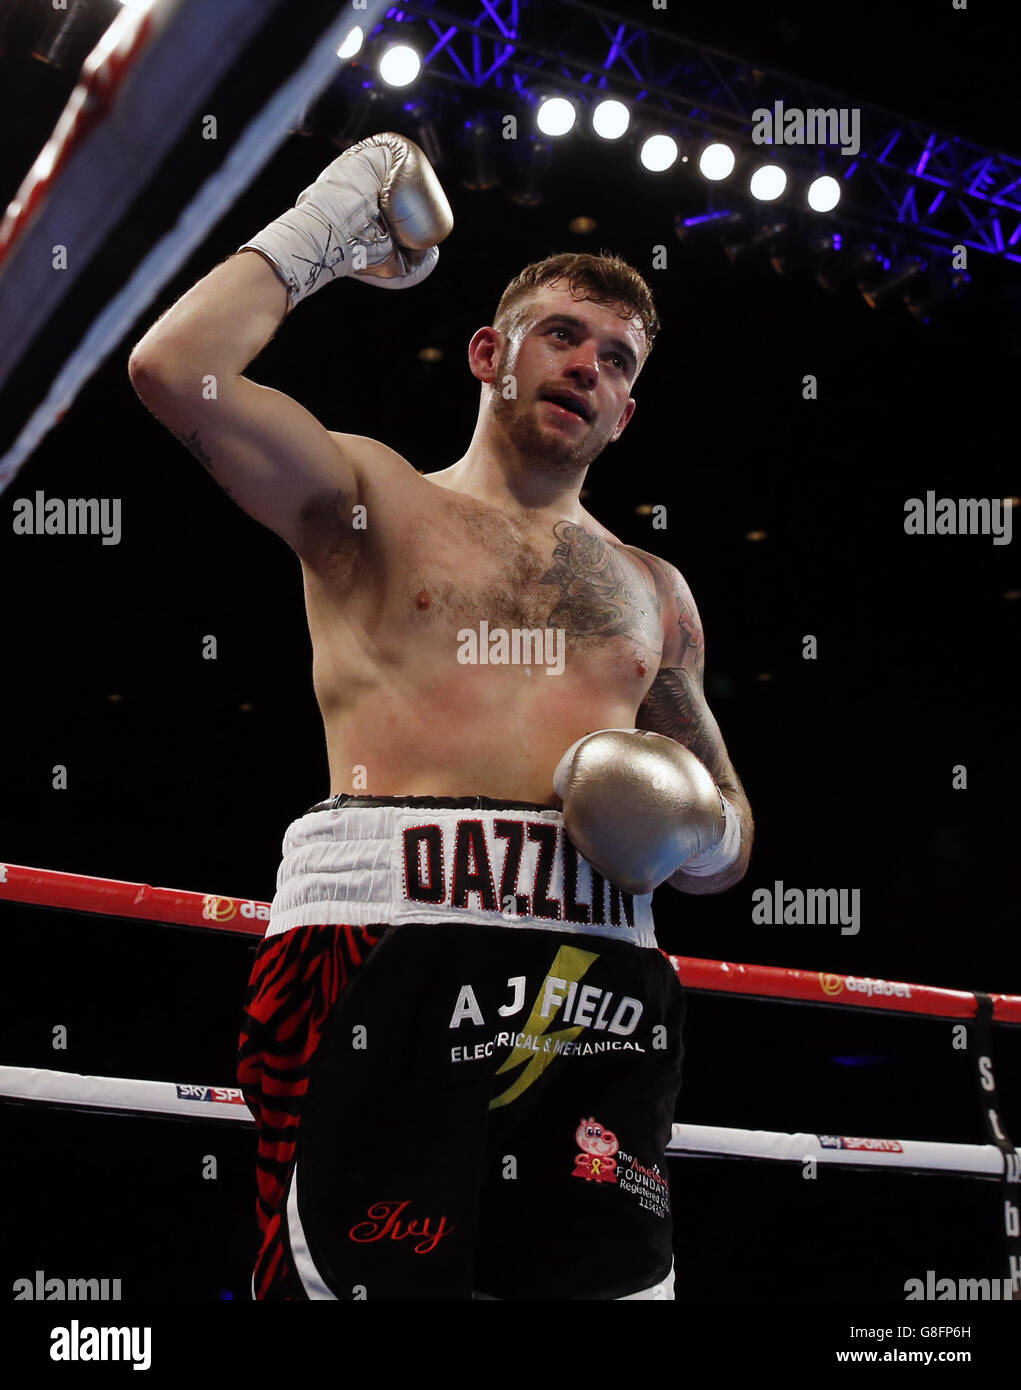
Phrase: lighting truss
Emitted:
{"points": [[927, 187]]}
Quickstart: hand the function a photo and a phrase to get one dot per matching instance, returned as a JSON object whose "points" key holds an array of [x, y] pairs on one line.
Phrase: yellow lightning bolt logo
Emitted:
{"points": [[570, 965]]}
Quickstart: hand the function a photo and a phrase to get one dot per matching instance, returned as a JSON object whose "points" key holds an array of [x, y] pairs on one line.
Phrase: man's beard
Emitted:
{"points": [[545, 450]]}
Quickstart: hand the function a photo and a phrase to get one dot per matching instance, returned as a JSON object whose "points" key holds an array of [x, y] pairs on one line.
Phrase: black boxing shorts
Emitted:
{"points": [[471, 1095]]}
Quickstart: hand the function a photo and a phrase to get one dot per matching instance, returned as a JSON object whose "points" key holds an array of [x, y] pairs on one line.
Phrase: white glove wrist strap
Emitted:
{"points": [[713, 861], [301, 245]]}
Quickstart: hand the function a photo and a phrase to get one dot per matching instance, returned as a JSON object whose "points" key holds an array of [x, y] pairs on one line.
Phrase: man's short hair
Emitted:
{"points": [[604, 279]]}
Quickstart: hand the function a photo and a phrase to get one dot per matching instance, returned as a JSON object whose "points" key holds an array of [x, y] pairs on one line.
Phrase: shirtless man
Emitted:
{"points": [[461, 957]]}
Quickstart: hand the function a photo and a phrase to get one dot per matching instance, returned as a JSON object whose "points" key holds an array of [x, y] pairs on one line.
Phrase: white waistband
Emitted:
{"points": [[367, 865]]}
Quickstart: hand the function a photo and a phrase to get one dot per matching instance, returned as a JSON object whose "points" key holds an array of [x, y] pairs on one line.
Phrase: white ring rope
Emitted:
{"points": [[227, 1103]]}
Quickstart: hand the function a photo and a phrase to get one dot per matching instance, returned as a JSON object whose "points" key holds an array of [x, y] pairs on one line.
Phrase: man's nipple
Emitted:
{"points": [[422, 599]]}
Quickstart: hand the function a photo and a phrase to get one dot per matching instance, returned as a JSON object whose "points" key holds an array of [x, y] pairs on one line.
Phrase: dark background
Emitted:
{"points": [[185, 772]]}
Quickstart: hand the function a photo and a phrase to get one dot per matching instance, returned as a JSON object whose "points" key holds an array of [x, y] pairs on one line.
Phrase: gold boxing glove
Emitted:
{"points": [[639, 806]]}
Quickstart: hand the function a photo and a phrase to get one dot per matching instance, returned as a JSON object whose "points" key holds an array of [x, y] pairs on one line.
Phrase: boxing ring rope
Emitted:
{"points": [[111, 118], [226, 1103], [80, 893], [107, 897]]}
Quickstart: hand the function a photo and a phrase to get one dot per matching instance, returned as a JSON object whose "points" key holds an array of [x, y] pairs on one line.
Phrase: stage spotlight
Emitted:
{"points": [[531, 166], [787, 254], [63, 41], [894, 284], [944, 289], [610, 119], [659, 152], [706, 225], [342, 114], [582, 226], [716, 162], [399, 65], [870, 265], [767, 183], [823, 193], [424, 132], [556, 116], [839, 265], [352, 44], [479, 158], [830, 262], [761, 240]]}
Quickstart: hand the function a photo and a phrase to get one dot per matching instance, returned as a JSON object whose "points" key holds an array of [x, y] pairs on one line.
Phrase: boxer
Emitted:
{"points": [[459, 984]]}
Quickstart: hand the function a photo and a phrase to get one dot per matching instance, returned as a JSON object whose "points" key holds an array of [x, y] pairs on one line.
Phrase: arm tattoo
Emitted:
{"points": [[691, 634], [675, 706], [600, 593], [194, 446]]}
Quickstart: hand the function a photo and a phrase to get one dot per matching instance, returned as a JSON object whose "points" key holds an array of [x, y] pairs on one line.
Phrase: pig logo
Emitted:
{"points": [[595, 1162]]}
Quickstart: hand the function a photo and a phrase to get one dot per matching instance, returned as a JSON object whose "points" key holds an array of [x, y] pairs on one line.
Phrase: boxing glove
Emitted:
{"points": [[377, 212], [639, 806]]}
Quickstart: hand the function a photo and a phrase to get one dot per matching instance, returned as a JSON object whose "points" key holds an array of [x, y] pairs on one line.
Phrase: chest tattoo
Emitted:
{"points": [[600, 593]]}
